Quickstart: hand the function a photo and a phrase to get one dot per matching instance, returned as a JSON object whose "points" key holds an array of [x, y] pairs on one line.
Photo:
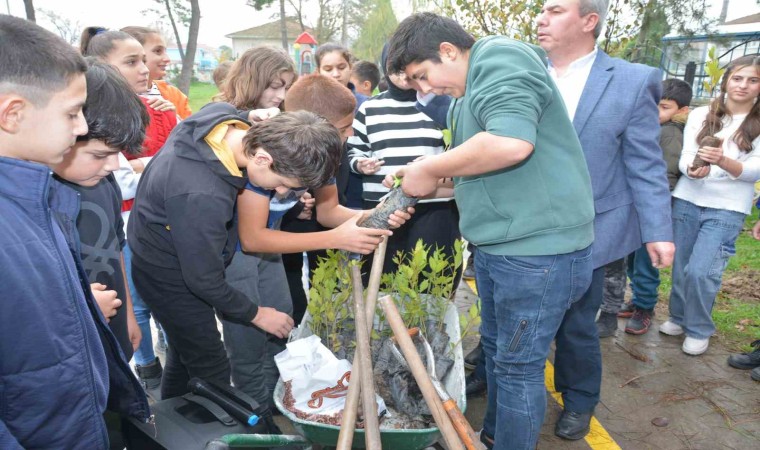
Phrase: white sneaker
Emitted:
{"points": [[671, 329], [694, 346]]}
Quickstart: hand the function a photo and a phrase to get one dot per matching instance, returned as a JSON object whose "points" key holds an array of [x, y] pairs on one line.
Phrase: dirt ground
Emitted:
{"points": [[706, 404], [744, 285]]}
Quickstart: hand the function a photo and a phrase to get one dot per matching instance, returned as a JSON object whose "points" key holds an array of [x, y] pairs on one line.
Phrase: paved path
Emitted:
{"points": [[708, 404]]}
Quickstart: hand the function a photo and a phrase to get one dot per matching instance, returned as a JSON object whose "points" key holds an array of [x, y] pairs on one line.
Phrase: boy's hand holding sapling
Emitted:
{"points": [[382, 217]]}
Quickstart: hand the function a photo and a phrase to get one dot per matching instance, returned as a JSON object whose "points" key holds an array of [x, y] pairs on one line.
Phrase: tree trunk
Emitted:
{"points": [[29, 6], [174, 28], [723, 12], [188, 62], [283, 26], [344, 26]]}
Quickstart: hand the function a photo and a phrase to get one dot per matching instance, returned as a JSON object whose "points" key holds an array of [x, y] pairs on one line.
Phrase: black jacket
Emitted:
{"points": [[184, 214]]}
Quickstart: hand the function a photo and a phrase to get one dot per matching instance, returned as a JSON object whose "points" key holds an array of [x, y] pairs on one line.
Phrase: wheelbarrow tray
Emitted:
{"points": [[393, 439]]}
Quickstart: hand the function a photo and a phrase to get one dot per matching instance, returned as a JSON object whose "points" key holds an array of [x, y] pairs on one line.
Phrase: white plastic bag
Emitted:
{"points": [[319, 380]]}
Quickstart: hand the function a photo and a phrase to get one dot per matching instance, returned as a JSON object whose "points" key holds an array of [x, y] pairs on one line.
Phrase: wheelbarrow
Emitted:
{"points": [[322, 435]]}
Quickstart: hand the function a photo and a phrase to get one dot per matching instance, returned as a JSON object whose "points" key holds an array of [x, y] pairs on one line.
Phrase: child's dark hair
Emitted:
{"points": [[99, 41], [367, 71], [321, 95], [678, 91], [330, 47], [750, 127], [418, 38], [35, 63], [303, 146], [114, 114]]}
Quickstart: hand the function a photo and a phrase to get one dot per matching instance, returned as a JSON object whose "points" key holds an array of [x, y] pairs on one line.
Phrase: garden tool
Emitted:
{"points": [[348, 424], [420, 374], [461, 425]]}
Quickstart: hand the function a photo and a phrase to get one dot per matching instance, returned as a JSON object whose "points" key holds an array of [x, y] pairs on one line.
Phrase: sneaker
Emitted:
{"points": [[469, 269], [639, 323], [150, 374], [607, 324], [693, 346], [626, 311], [746, 361], [671, 329], [755, 374]]}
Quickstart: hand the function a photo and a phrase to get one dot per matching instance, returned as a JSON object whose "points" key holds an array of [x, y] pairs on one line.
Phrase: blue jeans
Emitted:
{"points": [[645, 279], [704, 239], [144, 354], [523, 302]]}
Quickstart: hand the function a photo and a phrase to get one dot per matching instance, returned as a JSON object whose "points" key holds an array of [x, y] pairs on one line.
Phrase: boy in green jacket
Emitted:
{"points": [[524, 194]]}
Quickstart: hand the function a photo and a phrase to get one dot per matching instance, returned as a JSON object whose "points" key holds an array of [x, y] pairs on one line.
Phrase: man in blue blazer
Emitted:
{"points": [[613, 105]]}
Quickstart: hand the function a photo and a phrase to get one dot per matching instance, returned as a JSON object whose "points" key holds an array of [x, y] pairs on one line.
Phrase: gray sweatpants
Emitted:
{"points": [[251, 350]]}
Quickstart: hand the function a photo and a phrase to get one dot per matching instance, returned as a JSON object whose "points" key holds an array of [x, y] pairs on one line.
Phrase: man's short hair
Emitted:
{"points": [[599, 7], [34, 62], [302, 144], [321, 95], [418, 38], [677, 90], [114, 114], [367, 71]]}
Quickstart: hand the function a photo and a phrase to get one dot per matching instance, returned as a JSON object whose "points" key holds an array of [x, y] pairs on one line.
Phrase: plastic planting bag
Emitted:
{"points": [[318, 380]]}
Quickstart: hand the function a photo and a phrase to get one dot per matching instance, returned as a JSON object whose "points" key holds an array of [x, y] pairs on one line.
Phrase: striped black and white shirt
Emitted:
{"points": [[390, 127]]}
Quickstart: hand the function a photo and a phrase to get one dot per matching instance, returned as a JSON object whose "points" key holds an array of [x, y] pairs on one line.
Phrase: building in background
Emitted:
{"points": [[206, 60], [267, 34]]}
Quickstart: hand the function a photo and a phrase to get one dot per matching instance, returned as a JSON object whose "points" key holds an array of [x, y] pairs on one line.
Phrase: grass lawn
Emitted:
{"points": [[737, 309], [200, 94]]}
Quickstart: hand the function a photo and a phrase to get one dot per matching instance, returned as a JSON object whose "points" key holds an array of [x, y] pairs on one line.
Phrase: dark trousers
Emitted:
{"points": [[195, 346], [578, 358], [436, 224], [293, 263]]}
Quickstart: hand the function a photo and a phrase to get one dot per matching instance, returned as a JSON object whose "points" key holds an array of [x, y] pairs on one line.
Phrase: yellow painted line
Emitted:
{"points": [[597, 438]]}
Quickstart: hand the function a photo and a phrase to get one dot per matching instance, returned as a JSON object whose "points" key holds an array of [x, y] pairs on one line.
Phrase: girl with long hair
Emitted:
{"points": [[711, 202]]}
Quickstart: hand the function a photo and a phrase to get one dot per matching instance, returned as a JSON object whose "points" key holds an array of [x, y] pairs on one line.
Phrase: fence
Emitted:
{"points": [[693, 72]]}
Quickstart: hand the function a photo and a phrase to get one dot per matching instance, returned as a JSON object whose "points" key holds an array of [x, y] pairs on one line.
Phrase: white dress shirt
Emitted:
{"points": [[572, 82]]}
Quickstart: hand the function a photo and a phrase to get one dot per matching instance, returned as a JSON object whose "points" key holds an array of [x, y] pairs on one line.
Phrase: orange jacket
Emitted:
{"points": [[175, 96]]}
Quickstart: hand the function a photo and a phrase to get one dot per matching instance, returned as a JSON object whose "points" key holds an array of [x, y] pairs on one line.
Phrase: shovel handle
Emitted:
{"points": [[420, 374], [462, 426], [348, 424]]}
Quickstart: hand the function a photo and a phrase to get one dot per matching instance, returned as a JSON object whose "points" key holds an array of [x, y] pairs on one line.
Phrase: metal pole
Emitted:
{"points": [[8, 5]]}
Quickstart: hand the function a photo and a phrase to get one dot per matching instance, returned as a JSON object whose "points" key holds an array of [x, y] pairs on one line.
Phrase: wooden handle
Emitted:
{"points": [[348, 421], [363, 353], [462, 426], [420, 374]]}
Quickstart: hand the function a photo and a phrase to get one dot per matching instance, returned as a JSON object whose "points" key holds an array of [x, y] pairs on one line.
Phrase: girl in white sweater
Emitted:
{"points": [[711, 202]]}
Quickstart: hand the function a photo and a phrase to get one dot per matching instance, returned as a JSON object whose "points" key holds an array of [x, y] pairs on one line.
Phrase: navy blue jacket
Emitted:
{"points": [[57, 354]]}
